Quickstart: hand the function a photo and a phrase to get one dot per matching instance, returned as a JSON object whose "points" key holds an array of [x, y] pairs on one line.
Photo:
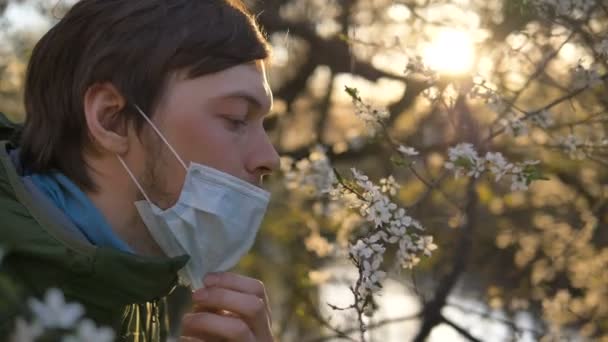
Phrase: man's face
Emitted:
{"points": [[215, 120]]}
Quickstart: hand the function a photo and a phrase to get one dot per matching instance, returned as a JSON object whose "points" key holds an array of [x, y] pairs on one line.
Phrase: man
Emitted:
{"points": [[125, 101]]}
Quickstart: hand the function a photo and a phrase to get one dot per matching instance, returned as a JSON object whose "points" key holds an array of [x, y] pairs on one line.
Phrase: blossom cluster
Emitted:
{"points": [[464, 160], [584, 77], [55, 314], [387, 223], [572, 145], [415, 65], [493, 100], [542, 118], [313, 175], [390, 225], [564, 8], [407, 151], [514, 123], [602, 47], [578, 148], [518, 125], [372, 116]]}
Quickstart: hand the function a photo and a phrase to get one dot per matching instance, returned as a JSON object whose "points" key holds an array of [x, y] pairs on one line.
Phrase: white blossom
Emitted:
{"points": [[583, 77], [518, 183], [542, 119], [415, 65], [407, 253], [313, 175], [407, 151], [389, 185], [361, 249], [408, 261], [564, 8], [369, 256], [377, 237], [463, 159], [87, 331], [496, 103], [54, 312], [517, 127], [602, 47], [514, 125], [572, 145], [499, 166], [402, 219], [379, 212], [371, 115], [360, 177], [26, 332], [426, 245]]}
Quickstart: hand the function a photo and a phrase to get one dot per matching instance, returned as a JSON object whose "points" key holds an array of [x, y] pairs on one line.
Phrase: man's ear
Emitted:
{"points": [[103, 105]]}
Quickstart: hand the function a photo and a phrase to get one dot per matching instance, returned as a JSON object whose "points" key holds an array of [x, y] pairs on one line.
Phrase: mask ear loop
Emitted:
{"points": [[162, 137], [131, 175], [141, 189]]}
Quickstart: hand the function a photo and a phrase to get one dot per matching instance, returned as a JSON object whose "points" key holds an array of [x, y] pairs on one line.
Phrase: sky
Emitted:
{"points": [[25, 16]]}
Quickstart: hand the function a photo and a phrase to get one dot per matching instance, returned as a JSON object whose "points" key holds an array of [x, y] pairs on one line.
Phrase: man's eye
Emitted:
{"points": [[236, 123]]}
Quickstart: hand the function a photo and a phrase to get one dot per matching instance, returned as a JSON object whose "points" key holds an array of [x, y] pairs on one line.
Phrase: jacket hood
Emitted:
{"points": [[28, 233]]}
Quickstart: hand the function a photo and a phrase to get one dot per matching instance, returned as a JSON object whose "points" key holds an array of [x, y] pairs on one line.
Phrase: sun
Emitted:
{"points": [[450, 52]]}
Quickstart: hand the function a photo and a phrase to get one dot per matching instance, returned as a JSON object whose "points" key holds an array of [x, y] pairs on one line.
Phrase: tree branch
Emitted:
{"points": [[432, 310], [460, 329]]}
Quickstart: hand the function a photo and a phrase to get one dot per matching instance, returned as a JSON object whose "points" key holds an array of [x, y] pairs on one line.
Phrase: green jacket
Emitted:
{"points": [[127, 292]]}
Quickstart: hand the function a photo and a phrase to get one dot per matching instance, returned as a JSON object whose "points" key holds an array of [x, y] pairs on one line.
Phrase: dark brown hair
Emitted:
{"points": [[135, 45]]}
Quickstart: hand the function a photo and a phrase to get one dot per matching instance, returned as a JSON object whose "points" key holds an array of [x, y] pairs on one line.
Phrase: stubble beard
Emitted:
{"points": [[154, 183], [155, 176]]}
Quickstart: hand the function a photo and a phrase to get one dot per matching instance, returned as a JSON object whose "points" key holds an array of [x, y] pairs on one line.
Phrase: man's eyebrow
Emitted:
{"points": [[252, 99]]}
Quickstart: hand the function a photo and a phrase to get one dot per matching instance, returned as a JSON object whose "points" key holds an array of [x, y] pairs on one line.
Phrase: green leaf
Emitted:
{"points": [[533, 173], [338, 176], [400, 161], [463, 162], [353, 92]]}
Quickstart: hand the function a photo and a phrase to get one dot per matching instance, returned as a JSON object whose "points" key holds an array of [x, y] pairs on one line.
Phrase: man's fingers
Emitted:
{"points": [[248, 306], [236, 282], [239, 295], [190, 339], [205, 323]]}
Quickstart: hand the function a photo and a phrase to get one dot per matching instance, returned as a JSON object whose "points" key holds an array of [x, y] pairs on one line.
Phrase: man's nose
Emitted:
{"points": [[263, 158]]}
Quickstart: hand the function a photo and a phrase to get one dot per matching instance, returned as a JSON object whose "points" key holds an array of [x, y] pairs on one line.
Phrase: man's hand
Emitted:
{"points": [[230, 307]]}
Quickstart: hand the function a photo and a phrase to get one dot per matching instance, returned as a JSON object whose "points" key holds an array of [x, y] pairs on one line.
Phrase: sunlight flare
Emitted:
{"points": [[450, 52]]}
